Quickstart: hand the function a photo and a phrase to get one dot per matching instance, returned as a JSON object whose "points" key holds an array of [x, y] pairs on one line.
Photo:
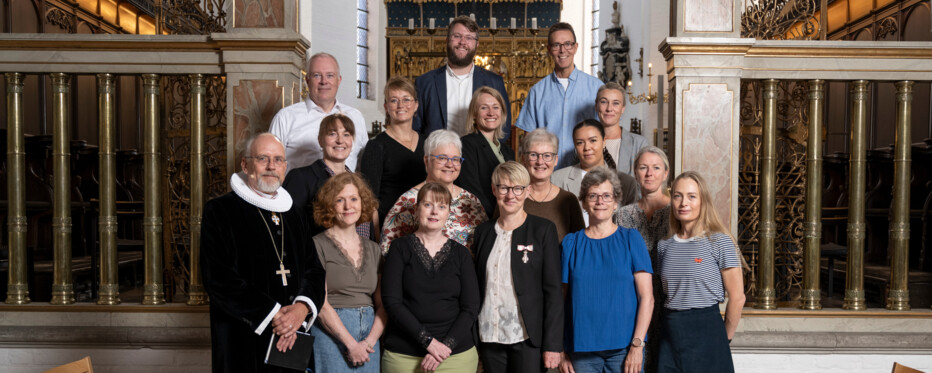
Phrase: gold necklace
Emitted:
{"points": [[281, 257]]}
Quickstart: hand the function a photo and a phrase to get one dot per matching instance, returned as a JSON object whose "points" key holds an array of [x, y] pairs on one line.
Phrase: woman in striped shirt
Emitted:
{"points": [[698, 264]]}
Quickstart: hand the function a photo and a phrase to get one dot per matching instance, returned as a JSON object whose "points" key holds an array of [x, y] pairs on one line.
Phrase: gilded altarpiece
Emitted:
{"points": [[520, 57]]}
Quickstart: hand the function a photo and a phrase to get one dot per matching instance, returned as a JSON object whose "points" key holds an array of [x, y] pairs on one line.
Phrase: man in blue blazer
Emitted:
{"points": [[444, 93]]}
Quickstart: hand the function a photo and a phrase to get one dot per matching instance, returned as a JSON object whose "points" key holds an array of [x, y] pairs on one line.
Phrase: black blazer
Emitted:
{"points": [[432, 98], [538, 282], [302, 184], [476, 173]]}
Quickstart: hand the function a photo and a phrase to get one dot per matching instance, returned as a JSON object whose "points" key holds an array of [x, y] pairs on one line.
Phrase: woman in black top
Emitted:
{"points": [[431, 295], [482, 147], [393, 162]]}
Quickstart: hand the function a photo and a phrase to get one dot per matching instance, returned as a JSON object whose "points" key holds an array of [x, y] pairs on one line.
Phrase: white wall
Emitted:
{"points": [[331, 27], [578, 13]]}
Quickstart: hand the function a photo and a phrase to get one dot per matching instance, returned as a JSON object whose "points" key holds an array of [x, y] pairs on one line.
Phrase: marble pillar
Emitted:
{"points": [[706, 18]]}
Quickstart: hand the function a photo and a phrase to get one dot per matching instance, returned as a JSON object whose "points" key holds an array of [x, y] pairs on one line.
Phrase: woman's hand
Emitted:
{"points": [[429, 363], [285, 343], [566, 366], [438, 350], [634, 359], [357, 353], [551, 359]]}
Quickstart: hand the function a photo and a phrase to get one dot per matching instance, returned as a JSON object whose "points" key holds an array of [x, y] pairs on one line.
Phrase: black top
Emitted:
{"points": [[391, 169], [537, 282], [302, 184], [239, 264], [428, 298], [476, 173]]}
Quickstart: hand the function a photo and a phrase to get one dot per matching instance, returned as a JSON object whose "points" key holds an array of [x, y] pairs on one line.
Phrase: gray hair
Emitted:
{"points": [[611, 85], [596, 177], [440, 138], [653, 150], [539, 135], [321, 55], [247, 146]]}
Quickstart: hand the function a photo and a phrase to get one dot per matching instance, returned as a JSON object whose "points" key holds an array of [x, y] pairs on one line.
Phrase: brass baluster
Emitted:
{"points": [[196, 293], [153, 289], [898, 293], [811, 294], [62, 285], [107, 222], [766, 295], [857, 189], [17, 287]]}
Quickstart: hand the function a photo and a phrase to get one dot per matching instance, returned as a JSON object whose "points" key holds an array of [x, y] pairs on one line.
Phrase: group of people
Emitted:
{"points": [[435, 246]]}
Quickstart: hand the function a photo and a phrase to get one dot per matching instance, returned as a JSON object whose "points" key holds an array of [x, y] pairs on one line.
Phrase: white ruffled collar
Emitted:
{"points": [[280, 202]]}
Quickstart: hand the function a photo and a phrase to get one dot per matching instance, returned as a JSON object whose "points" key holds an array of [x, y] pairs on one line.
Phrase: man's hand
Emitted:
{"points": [[357, 354], [289, 318], [551, 359]]}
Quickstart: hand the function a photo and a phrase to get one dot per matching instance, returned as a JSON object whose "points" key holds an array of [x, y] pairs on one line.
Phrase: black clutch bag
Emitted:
{"points": [[298, 357]]}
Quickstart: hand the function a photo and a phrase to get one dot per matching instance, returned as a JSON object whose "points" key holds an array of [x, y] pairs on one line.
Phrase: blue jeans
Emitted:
{"points": [[330, 354], [608, 361]]}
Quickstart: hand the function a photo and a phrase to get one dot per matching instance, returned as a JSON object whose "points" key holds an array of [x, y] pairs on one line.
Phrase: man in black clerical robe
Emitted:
{"points": [[260, 267]]}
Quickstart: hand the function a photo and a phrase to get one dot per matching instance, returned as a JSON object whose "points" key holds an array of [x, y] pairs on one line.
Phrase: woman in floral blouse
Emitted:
{"points": [[443, 160]]}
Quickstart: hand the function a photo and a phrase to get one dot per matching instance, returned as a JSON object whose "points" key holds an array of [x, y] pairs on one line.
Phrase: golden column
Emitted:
{"points": [[857, 182], [811, 294], [62, 287], [766, 295], [17, 289], [153, 289], [898, 293], [196, 293], [107, 222]]}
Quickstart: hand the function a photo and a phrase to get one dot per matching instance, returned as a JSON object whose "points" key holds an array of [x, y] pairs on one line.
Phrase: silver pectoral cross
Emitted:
{"points": [[284, 272], [275, 219]]}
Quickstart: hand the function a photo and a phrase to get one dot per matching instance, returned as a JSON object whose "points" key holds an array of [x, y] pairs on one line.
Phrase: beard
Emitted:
{"points": [[268, 188], [459, 62]]}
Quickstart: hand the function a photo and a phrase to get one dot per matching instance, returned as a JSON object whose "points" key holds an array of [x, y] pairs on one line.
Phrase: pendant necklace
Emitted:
{"points": [[549, 189], [281, 262]]}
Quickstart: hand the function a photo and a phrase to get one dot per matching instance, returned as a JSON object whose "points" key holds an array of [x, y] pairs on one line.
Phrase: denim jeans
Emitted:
{"points": [[330, 354], [608, 361]]}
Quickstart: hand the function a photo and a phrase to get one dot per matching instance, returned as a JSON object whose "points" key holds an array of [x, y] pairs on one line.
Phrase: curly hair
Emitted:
{"points": [[324, 213]]}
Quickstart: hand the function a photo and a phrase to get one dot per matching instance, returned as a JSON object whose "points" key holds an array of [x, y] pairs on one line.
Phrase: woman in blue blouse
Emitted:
{"points": [[607, 278]]}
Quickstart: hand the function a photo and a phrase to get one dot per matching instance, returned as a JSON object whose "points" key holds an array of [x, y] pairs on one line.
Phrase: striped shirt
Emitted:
{"points": [[691, 269]]}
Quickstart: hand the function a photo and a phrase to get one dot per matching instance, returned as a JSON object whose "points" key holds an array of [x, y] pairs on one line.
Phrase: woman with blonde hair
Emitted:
{"points": [[699, 263], [483, 146]]}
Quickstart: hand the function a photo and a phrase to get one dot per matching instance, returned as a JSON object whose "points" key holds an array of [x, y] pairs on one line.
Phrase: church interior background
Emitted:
{"points": [[122, 117]]}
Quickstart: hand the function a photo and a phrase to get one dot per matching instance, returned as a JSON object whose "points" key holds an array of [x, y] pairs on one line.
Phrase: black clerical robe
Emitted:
{"points": [[239, 264]]}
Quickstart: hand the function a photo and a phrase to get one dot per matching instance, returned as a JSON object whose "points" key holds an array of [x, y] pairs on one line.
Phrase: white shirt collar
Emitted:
{"points": [[280, 202], [311, 105], [453, 75]]}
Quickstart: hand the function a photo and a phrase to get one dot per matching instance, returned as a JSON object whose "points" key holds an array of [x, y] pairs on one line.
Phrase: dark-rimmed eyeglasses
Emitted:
{"points": [[503, 190], [567, 45], [546, 156], [593, 197], [444, 159]]}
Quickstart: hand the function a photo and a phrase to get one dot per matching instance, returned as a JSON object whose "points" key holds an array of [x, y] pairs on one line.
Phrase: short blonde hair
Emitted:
{"points": [[511, 171], [473, 115]]}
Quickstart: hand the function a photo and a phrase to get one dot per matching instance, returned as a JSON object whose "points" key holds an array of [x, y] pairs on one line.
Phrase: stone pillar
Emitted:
{"points": [[704, 103]]}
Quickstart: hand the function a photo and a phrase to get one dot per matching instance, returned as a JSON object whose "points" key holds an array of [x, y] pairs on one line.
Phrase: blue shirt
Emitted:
{"points": [[602, 300], [549, 106], [691, 270]]}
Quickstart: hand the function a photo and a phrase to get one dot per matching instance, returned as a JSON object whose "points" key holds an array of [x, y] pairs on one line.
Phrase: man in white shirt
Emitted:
{"points": [[297, 125]]}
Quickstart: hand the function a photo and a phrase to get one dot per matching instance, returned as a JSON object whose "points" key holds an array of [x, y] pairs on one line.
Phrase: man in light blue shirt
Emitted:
{"points": [[565, 97]]}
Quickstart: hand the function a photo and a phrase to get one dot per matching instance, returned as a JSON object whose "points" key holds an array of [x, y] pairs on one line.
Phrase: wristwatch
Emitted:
{"points": [[637, 342]]}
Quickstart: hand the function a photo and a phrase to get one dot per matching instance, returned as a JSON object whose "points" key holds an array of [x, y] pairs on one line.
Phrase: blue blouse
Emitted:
{"points": [[602, 301]]}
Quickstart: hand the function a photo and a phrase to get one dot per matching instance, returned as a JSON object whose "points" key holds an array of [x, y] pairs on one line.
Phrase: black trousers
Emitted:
{"points": [[519, 357], [694, 341]]}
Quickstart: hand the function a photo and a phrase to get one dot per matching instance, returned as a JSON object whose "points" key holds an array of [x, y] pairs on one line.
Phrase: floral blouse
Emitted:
{"points": [[466, 213], [631, 216]]}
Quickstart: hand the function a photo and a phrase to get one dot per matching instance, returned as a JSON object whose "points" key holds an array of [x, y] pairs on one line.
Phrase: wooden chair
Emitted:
{"points": [[897, 368], [80, 366]]}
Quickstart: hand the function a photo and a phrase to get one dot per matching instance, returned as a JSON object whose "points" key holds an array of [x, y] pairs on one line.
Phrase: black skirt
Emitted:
{"points": [[694, 341]]}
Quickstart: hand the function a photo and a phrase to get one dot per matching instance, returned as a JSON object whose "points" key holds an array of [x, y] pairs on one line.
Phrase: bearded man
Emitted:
{"points": [[259, 263], [444, 93]]}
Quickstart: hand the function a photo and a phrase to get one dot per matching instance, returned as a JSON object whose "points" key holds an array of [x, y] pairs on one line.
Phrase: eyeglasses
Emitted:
{"points": [[328, 76], [593, 197], [503, 190], [264, 159], [567, 45], [444, 159], [404, 100], [469, 38], [546, 156]]}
